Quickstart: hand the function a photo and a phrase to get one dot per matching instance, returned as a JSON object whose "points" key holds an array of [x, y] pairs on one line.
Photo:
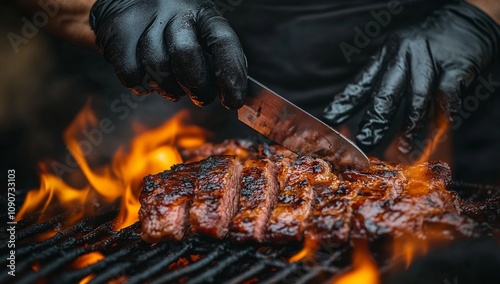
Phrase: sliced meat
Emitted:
{"points": [[380, 184], [407, 203], [259, 188], [387, 200], [216, 196], [165, 199], [330, 219], [288, 218]]}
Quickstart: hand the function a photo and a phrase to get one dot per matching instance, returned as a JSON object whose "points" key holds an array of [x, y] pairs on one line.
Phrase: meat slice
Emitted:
{"points": [[165, 199], [416, 209], [330, 219], [288, 218], [379, 184], [259, 188], [216, 196]]}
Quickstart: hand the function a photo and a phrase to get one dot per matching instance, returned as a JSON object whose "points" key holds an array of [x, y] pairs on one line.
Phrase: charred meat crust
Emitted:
{"points": [[165, 200], [259, 188], [215, 196], [285, 196], [294, 204]]}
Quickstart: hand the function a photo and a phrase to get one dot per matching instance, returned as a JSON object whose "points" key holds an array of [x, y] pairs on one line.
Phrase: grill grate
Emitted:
{"points": [[195, 260], [127, 257]]}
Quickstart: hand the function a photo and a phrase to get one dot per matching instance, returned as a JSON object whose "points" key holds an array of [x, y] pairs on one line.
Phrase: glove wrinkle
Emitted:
{"points": [[356, 94], [387, 97], [444, 54], [421, 87], [159, 45]]}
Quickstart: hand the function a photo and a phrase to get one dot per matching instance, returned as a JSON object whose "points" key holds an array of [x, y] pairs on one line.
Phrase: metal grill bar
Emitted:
{"points": [[127, 257], [190, 268], [221, 265], [82, 226], [68, 257], [74, 276], [252, 272], [293, 267], [152, 270]]}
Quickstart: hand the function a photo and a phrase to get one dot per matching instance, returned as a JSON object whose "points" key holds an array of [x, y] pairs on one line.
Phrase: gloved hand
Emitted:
{"points": [[161, 45], [437, 58]]}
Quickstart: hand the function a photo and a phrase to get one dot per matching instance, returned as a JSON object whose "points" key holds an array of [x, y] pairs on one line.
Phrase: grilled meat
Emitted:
{"points": [[216, 195], [259, 188], [294, 203], [165, 201], [268, 194]]}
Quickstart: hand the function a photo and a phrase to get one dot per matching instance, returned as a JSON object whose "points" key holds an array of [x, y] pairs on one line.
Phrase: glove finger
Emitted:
{"points": [[422, 87], [155, 60], [120, 50], [187, 61], [228, 59], [357, 93], [453, 83], [388, 94]]}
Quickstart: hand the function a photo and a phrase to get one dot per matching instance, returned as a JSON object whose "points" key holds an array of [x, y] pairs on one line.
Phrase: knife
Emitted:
{"points": [[288, 125]]}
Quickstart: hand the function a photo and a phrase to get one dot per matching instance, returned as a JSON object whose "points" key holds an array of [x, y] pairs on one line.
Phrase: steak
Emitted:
{"points": [[216, 195], [259, 189], [330, 220], [265, 193], [165, 200], [294, 204]]}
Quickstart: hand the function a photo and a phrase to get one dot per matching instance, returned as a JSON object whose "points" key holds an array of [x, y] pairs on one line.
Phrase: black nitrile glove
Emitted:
{"points": [[161, 45], [438, 58]]}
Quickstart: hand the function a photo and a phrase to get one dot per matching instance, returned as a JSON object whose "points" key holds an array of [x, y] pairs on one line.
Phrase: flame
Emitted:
{"points": [[309, 249], [86, 279], [87, 259], [364, 269], [410, 248], [150, 151], [52, 188], [128, 210], [442, 127]]}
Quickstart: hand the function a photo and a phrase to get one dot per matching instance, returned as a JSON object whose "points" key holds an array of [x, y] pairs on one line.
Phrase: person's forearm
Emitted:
{"points": [[490, 7], [67, 18]]}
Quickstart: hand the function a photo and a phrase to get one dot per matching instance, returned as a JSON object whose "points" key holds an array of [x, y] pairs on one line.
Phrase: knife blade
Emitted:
{"points": [[288, 125]]}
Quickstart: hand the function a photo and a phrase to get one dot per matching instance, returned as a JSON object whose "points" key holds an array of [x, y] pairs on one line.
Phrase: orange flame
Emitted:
{"points": [[442, 127], [151, 151], [410, 248], [52, 189], [309, 249], [87, 259], [364, 269], [86, 279]]}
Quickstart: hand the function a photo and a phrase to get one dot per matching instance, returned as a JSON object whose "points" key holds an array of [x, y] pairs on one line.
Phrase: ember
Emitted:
{"points": [[88, 259]]}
